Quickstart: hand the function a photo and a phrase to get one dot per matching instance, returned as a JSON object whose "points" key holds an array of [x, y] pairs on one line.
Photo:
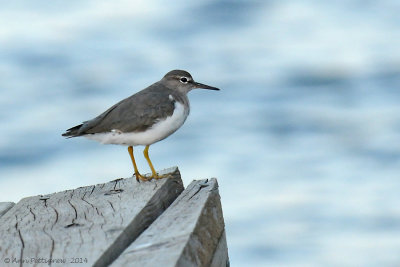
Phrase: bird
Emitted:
{"points": [[144, 118]]}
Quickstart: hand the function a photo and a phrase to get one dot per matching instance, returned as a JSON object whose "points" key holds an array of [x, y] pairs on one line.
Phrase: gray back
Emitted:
{"points": [[137, 112]]}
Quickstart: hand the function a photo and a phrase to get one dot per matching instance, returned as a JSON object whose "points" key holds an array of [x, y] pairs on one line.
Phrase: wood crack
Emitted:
{"points": [[88, 203], [33, 214], [116, 182], [203, 185], [56, 212], [76, 212], [111, 205], [44, 199], [52, 245], [91, 192], [21, 239]]}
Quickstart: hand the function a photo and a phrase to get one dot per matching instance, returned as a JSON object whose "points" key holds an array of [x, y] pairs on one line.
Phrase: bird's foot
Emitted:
{"points": [[159, 176], [155, 176], [140, 177]]}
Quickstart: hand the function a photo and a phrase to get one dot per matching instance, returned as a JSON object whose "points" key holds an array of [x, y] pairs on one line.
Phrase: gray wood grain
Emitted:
{"points": [[186, 234], [89, 225], [5, 206], [220, 257]]}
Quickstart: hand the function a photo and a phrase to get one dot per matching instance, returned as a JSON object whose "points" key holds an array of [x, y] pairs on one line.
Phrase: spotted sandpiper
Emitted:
{"points": [[144, 118]]}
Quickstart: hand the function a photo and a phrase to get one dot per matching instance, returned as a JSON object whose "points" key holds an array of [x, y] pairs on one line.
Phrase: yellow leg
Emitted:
{"points": [[153, 171], [137, 174]]}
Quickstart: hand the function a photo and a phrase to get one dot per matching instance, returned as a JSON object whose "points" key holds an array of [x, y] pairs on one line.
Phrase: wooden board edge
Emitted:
{"points": [[220, 257], [157, 205], [5, 207]]}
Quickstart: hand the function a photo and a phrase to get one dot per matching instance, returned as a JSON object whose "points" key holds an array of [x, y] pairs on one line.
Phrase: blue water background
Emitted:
{"points": [[304, 136]]}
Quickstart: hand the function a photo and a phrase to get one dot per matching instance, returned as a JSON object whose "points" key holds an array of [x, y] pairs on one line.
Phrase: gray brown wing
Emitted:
{"points": [[135, 113]]}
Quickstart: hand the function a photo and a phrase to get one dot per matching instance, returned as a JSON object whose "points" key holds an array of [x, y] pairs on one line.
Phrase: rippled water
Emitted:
{"points": [[303, 137]]}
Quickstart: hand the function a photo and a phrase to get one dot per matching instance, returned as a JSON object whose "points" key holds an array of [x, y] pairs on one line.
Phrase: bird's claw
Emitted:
{"points": [[155, 176], [140, 177]]}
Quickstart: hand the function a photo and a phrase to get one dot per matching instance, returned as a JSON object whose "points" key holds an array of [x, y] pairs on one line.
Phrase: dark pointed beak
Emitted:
{"points": [[204, 86]]}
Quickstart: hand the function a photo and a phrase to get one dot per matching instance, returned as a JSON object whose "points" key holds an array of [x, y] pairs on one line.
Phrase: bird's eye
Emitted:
{"points": [[184, 80]]}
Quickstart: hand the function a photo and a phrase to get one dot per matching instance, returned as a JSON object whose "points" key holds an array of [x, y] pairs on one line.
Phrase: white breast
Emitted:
{"points": [[160, 130]]}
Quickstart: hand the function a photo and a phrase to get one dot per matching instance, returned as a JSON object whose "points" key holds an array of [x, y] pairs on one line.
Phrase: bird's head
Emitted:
{"points": [[182, 81]]}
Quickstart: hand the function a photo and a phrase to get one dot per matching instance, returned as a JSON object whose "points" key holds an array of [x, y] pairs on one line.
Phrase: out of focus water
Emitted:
{"points": [[303, 138]]}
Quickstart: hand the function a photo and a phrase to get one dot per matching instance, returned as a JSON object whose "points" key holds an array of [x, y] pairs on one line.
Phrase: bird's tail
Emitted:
{"points": [[72, 132]]}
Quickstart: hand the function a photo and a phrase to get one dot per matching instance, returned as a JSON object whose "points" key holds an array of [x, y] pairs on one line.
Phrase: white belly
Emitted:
{"points": [[157, 132]]}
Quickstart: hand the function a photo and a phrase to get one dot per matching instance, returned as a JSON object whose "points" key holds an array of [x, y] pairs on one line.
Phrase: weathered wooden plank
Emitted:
{"points": [[89, 225], [186, 234], [5, 206]]}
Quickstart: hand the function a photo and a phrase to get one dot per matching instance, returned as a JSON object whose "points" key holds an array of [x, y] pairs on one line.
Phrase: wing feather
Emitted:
{"points": [[135, 113]]}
